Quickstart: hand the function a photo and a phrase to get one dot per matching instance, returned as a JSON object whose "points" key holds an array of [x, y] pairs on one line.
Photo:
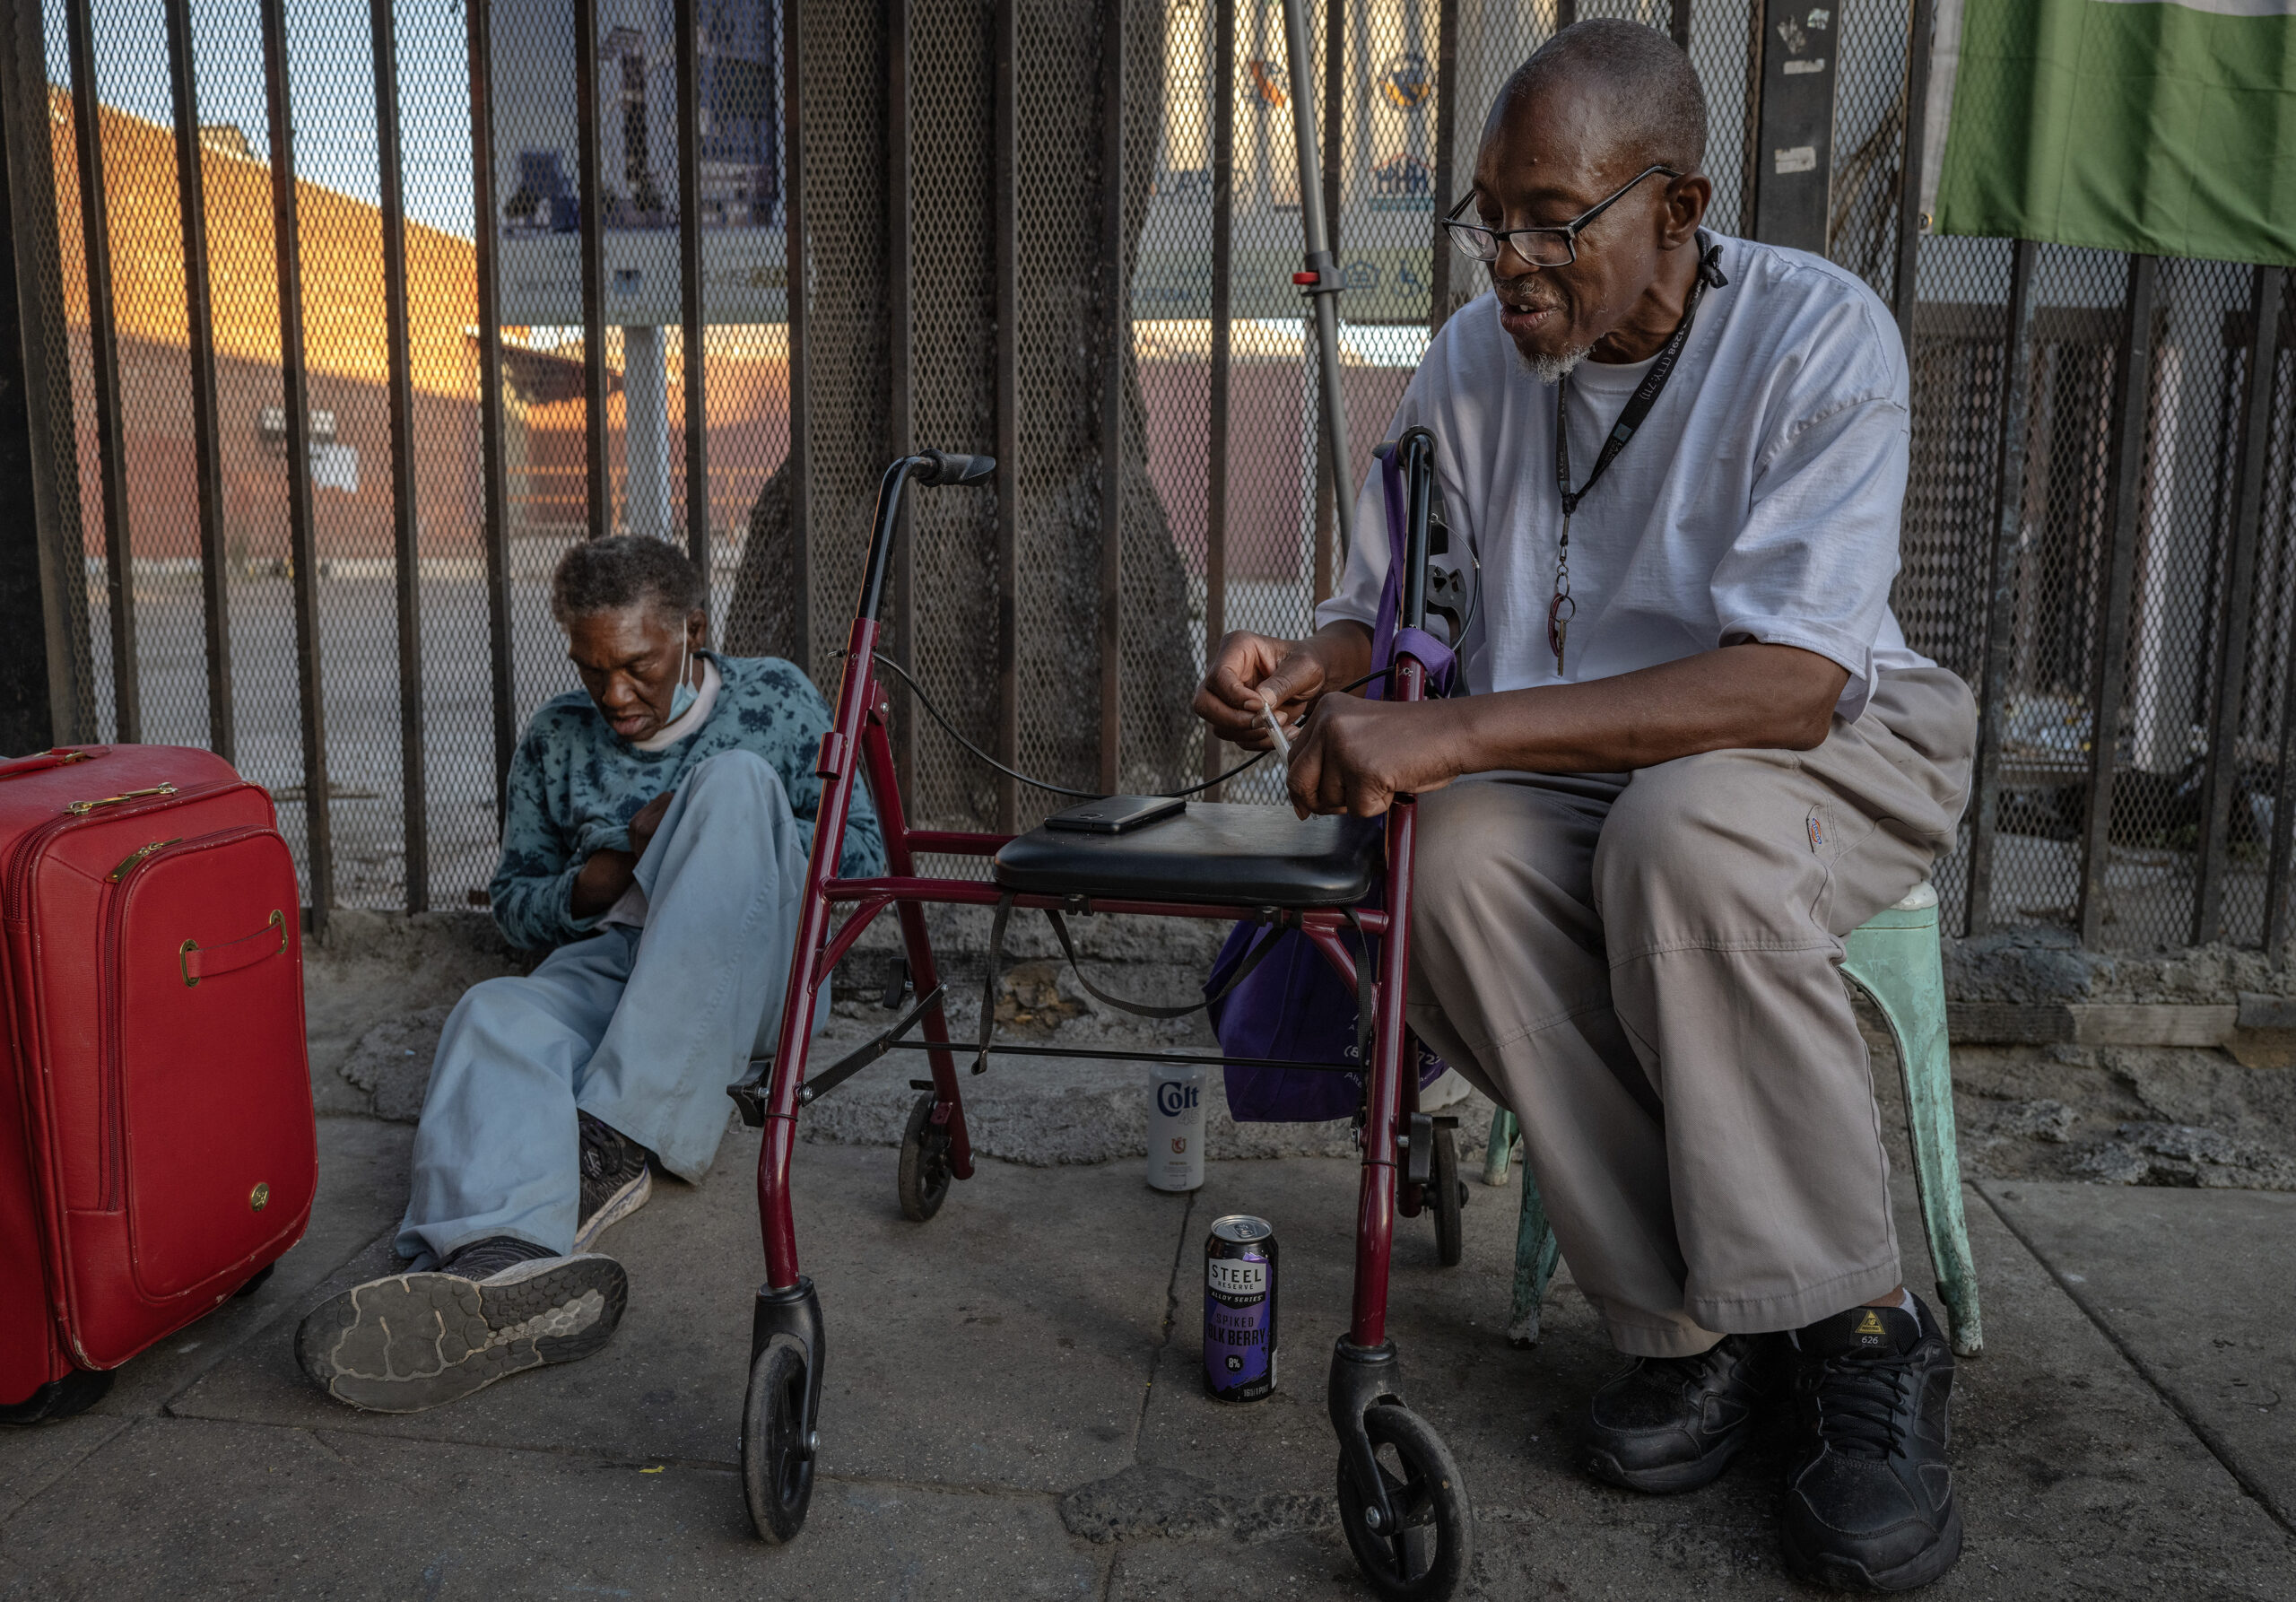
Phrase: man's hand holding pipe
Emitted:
{"points": [[1292, 676], [1356, 755]]}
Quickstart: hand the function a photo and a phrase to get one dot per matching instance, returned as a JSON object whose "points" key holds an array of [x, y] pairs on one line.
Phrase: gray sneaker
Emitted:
{"points": [[615, 1180], [410, 1341]]}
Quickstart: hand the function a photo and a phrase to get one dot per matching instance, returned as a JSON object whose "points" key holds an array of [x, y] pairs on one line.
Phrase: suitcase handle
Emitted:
{"points": [[199, 962], [81, 809], [60, 757]]}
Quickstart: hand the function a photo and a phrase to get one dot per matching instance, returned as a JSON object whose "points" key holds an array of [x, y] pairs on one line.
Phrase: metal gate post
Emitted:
{"points": [[405, 524], [598, 479], [694, 335], [1905, 281], [1005, 140], [1322, 271], [103, 353], [1113, 176], [302, 534], [2002, 574], [795, 287], [493, 471], [1790, 126], [2222, 777], [1335, 497], [40, 561], [1223, 242], [1446, 136], [199, 335], [900, 396], [2132, 394], [2283, 811], [2283, 827]]}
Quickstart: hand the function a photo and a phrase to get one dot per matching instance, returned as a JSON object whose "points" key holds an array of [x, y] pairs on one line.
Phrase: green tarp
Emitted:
{"points": [[2164, 126]]}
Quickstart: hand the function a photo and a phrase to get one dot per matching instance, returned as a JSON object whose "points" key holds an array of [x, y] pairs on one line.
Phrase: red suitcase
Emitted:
{"points": [[157, 1148]]}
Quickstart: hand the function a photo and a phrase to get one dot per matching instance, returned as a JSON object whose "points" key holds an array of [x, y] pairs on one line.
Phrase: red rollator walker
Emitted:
{"points": [[1401, 1499]]}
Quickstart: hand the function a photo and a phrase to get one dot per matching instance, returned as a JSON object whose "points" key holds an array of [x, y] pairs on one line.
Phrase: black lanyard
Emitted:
{"points": [[1645, 396], [1562, 609]]}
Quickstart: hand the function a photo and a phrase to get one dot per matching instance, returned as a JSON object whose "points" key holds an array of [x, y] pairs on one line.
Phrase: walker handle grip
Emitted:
{"points": [[946, 468]]}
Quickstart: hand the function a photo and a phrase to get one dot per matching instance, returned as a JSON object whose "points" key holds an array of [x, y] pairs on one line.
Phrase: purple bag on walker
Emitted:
{"points": [[1293, 1004]]}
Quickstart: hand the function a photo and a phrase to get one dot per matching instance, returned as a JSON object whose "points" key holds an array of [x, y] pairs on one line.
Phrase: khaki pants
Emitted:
{"points": [[1645, 969]]}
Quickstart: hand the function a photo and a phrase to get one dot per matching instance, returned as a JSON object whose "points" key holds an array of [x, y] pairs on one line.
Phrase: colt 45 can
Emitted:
{"points": [[1239, 1309], [1174, 1128]]}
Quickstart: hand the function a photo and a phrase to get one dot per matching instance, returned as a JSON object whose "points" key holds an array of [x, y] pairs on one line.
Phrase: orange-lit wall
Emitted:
{"points": [[341, 262]]}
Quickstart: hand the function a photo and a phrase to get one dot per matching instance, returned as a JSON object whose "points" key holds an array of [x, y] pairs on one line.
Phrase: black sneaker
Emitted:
{"points": [[410, 1341], [1672, 1424], [615, 1180], [1870, 1506]]}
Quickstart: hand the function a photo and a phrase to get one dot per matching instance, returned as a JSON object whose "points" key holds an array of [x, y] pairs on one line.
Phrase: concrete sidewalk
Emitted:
{"points": [[1012, 1410]]}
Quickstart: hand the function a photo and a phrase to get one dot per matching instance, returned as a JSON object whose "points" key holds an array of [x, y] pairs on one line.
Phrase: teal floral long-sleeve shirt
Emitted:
{"points": [[575, 785]]}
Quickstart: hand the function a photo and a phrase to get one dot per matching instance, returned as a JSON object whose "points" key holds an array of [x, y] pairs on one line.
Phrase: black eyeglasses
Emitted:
{"points": [[1540, 246]]}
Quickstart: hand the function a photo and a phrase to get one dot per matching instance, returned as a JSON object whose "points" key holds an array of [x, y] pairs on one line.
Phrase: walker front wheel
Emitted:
{"points": [[1426, 1553], [777, 1455], [923, 1162]]}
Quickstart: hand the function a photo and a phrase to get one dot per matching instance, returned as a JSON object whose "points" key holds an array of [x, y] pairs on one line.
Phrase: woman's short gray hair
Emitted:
{"points": [[620, 572]]}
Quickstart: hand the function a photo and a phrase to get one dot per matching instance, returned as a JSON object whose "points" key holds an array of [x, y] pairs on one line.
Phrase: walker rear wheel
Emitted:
{"points": [[923, 1162], [776, 1461], [1427, 1553], [1446, 1194]]}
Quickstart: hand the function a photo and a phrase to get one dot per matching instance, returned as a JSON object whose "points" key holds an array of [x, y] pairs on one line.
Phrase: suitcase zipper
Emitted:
{"points": [[135, 859], [28, 848]]}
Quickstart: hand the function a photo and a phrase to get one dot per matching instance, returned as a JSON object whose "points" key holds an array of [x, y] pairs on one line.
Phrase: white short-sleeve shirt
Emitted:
{"points": [[1759, 500]]}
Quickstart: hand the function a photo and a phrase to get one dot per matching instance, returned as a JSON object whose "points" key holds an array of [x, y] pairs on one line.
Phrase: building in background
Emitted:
{"points": [[341, 273]]}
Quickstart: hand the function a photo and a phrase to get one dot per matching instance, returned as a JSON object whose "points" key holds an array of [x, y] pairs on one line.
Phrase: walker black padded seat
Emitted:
{"points": [[1213, 852]]}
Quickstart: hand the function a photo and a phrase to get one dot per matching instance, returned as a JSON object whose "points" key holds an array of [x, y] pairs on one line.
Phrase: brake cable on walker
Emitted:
{"points": [[950, 729]]}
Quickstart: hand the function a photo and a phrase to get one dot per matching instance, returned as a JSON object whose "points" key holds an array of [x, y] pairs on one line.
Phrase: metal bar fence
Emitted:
{"points": [[302, 533], [2221, 778], [2101, 533], [103, 339], [2281, 601], [1222, 308], [199, 340], [798, 288], [1005, 140], [2132, 394], [405, 550], [493, 470], [50, 677], [1113, 179], [2009, 498], [597, 481], [1446, 140], [1921, 25], [693, 311], [900, 354]]}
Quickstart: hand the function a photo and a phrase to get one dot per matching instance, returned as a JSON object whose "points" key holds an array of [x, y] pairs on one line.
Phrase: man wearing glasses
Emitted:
{"points": [[1697, 754]]}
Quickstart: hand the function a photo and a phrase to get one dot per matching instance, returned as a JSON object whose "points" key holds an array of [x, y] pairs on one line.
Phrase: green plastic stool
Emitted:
{"points": [[1895, 959]]}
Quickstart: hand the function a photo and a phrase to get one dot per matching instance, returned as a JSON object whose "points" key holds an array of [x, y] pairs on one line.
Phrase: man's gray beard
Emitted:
{"points": [[1552, 369]]}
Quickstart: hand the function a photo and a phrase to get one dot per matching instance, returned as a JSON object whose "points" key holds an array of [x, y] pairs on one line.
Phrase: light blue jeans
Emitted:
{"points": [[640, 1028]]}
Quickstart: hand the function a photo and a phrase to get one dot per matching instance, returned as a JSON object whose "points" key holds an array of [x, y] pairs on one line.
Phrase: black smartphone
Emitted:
{"points": [[1117, 814]]}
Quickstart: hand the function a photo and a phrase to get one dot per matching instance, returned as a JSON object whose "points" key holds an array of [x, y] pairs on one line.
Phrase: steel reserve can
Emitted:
{"points": [[1239, 1309]]}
